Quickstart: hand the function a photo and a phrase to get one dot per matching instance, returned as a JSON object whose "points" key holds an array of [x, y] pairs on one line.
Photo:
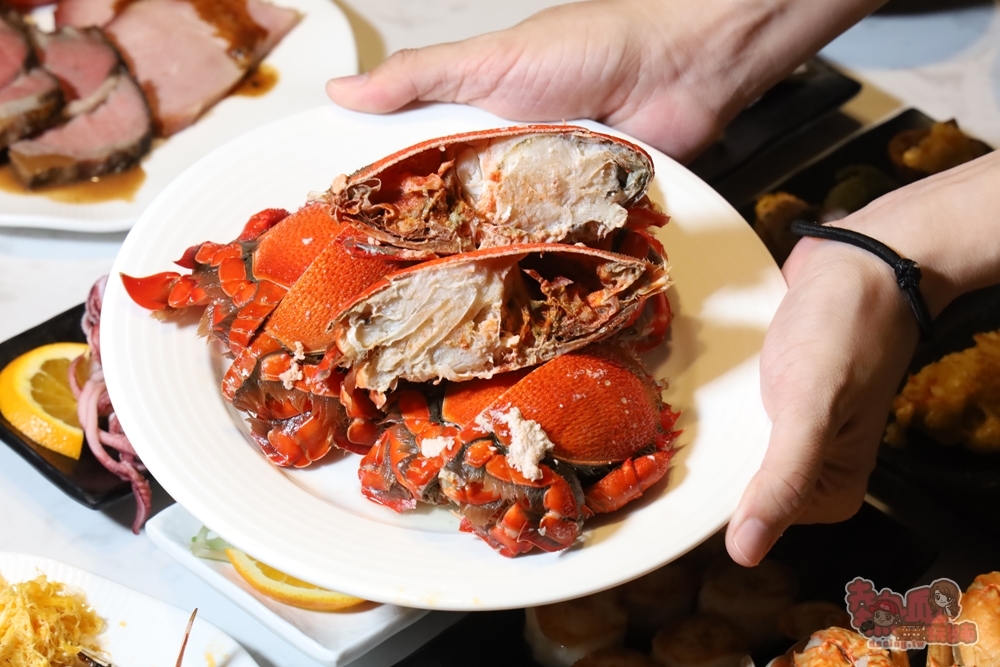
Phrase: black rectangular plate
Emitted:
{"points": [[791, 105], [85, 480], [812, 181]]}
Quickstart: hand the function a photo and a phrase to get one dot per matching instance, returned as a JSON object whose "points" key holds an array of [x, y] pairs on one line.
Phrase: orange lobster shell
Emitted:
{"points": [[594, 419], [486, 312], [524, 184]]}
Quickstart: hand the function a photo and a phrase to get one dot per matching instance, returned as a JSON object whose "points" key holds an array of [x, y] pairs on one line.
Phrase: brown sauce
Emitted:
{"points": [[234, 24], [122, 186], [258, 81]]}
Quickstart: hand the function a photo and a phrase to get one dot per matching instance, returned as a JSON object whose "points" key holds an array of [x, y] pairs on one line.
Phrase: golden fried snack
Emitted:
{"points": [[837, 647], [750, 597], [775, 214], [923, 152], [663, 596], [702, 640], [955, 400], [981, 603], [560, 634]]}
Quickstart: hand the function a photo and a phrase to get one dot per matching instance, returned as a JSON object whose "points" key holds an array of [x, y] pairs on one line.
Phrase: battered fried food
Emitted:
{"points": [[919, 153], [955, 400]]}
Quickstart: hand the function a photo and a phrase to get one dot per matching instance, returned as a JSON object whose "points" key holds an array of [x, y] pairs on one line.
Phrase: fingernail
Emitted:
{"points": [[752, 540], [349, 82]]}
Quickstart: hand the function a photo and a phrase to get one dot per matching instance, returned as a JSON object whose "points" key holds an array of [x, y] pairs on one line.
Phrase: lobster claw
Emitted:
{"points": [[162, 291]]}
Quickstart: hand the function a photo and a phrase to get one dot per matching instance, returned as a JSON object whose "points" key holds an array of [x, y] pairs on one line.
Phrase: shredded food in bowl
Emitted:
{"points": [[45, 623]]}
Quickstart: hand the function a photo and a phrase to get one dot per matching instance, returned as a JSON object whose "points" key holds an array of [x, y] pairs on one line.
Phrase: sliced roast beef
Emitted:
{"points": [[211, 45], [87, 13], [14, 49], [83, 61], [28, 104], [111, 138]]}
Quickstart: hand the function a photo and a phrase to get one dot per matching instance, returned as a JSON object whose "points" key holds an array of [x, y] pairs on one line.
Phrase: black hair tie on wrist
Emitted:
{"points": [[907, 271]]}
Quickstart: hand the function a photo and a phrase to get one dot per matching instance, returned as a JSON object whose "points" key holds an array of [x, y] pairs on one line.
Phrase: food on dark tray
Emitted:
{"points": [[837, 647], [36, 397], [955, 400], [775, 214], [560, 634], [852, 183], [752, 598], [855, 187], [703, 640], [922, 152], [804, 618], [663, 596], [981, 605]]}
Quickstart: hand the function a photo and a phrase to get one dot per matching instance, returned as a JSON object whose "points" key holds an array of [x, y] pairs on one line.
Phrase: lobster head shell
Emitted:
{"points": [[528, 184]]}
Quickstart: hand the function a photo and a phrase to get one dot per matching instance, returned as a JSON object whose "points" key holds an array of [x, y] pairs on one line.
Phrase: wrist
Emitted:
{"points": [[949, 224]]}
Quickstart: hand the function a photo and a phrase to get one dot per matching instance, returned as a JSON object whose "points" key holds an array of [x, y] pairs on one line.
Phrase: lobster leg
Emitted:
{"points": [[300, 439], [545, 513], [165, 291], [626, 482]]}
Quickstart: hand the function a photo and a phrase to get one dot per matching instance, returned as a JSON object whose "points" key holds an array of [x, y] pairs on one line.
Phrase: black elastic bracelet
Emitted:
{"points": [[907, 271]]}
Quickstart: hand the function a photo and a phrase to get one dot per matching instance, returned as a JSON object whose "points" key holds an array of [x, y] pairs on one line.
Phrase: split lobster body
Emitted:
{"points": [[524, 184], [527, 456]]}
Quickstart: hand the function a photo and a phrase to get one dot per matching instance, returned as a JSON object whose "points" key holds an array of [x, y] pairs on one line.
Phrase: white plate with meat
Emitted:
{"points": [[313, 522], [319, 46], [140, 630]]}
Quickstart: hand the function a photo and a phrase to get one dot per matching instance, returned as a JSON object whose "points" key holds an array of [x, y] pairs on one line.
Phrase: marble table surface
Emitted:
{"points": [[944, 63]]}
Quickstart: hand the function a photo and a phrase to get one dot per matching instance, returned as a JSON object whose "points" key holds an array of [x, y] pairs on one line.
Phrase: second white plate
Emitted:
{"points": [[314, 523], [331, 638], [319, 47]]}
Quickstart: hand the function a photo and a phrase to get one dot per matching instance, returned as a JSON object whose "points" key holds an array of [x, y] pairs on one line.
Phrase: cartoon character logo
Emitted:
{"points": [[924, 615], [945, 597], [883, 616]]}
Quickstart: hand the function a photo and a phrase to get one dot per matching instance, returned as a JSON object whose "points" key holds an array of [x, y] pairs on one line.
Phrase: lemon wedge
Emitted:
{"points": [[285, 588], [36, 399]]}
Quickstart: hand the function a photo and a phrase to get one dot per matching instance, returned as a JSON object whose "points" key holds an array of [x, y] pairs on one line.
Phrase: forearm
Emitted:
{"points": [[740, 48]]}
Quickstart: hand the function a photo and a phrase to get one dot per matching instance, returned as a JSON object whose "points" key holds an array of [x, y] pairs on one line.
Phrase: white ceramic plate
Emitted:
{"points": [[319, 47], [314, 523], [141, 631], [331, 638]]}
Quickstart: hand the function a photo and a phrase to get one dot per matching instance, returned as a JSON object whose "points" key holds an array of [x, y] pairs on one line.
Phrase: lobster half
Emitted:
{"points": [[525, 457], [525, 184]]}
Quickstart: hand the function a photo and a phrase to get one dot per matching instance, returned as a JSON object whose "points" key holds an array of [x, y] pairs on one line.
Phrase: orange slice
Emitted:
{"points": [[286, 588], [36, 399]]}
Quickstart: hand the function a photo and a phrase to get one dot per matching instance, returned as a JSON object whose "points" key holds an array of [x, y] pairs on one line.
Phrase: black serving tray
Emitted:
{"points": [[811, 92], [85, 480], [813, 181], [960, 480]]}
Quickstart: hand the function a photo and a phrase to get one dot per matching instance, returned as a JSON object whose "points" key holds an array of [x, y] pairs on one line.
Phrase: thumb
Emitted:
{"points": [[781, 490], [431, 73]]}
